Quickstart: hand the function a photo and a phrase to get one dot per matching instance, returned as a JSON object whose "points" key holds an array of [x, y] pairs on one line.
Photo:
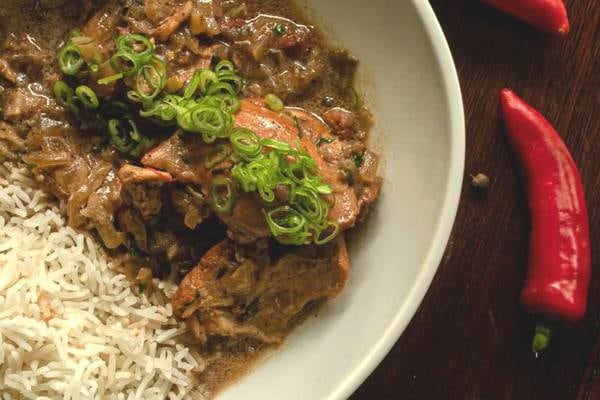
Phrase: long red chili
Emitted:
{"points": [[559, 254], [547, 15]]}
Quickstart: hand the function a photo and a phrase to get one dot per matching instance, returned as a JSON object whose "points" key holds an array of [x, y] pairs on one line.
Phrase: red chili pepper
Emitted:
{"points": [[547, 15], [559, 254]]}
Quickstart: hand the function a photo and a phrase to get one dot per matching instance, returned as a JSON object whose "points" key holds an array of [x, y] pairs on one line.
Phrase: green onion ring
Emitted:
{"points": [[225, 66], [218, 202], [125, 63], [70, 60], [246, 143], [274, 102], [276, 144], [285, 220], [87, 97], [336, 229], [64, 94], [127, 44], [123, 134]]}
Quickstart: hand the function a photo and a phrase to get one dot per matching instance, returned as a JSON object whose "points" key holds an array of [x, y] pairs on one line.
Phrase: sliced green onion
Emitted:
{"points": [[220, 88], [333, 228], [110, 79], [125, 63], [235, 82], [136, 45], [70, 60], [288, 225], [87, 97], [63, 94], [246, 143], [228, 103], [309, 203], [123, 134], [276, 144], [274, 102], [225, 66], [209, 121], [222, 196]]}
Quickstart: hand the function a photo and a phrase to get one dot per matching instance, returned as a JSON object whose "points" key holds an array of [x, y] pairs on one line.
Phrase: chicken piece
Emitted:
{"points": [[180, 76], [183, 157], [265, 32], [7, 72], [132, 174], [142, 186], [102, 25], [190, 204], [288, 127], [23, 103], [240, 296], [246, 223], [171, 156], [170, 24], [202, 20], [341, 121], [369, 182], [9, 135], [100, 210]]}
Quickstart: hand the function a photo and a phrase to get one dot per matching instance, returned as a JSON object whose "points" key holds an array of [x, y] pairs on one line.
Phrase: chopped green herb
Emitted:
{"points": [[358, 159], [279, 30], [142, 287], [30, 166], [323, 140]]}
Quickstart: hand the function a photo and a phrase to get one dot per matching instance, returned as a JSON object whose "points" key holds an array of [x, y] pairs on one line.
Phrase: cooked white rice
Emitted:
{"points": [[70, 327]]}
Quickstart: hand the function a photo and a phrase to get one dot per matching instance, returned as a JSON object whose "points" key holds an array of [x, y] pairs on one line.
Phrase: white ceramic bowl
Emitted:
{"points": [[413, 91]]}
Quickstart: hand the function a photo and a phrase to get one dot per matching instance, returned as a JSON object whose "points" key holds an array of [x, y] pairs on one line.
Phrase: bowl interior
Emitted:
{"points": [[413, 93]]}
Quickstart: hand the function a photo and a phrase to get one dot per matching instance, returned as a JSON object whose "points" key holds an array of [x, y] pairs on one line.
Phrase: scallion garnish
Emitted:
{"points": [[284, 176], [222, 196], [70, 60], [270, 165], [274, 102], [87, 97], [64, 96]]}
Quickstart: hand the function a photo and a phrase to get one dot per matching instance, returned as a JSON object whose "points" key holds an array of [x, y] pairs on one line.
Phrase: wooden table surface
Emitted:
{"points": [[470, 339]]}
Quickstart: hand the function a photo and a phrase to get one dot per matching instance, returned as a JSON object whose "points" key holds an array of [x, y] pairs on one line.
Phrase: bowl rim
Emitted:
{"points": [[446, 218]]}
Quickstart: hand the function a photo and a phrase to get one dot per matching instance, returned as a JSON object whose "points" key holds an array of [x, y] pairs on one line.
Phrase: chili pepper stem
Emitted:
{"points": [[541, 337]]}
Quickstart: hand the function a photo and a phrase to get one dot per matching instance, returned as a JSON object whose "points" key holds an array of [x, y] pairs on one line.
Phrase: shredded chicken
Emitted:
{"points": [[233, 295], [7, 72], [170, 25]]}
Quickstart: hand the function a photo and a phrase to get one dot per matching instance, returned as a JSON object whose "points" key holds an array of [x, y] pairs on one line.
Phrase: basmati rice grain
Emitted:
{"points": [[98, 339]]}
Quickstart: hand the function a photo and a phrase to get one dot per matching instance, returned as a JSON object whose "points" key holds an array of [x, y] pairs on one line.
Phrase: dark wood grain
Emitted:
{"points": [[470, 339]]}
